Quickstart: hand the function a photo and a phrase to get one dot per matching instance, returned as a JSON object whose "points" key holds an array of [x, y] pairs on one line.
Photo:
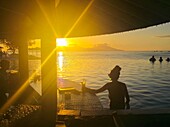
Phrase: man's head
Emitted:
{"points": [[115, 72]]}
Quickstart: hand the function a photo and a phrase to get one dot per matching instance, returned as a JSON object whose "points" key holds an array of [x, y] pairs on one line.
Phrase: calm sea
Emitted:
{"points": [[148, 84]]}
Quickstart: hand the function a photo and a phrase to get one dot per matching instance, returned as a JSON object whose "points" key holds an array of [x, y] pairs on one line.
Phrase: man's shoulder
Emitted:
{"points": [[108, 84], [122, 84]]}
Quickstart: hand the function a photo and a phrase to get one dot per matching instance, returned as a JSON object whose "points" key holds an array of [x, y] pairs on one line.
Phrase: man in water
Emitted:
{"points": [[117, 91], [152, 59]]}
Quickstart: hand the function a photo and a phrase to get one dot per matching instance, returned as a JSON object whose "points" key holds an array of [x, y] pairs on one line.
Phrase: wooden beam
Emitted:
{"points": [[49, 80], [23, 60], [23, 69]]}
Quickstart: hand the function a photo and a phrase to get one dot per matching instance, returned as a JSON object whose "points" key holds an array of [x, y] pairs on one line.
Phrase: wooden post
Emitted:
{"points": [[48, 60], [23, 60], [49, 80]]}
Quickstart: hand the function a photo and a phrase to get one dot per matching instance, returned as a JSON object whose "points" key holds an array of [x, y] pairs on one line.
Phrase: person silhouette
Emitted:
{"points": [[117, 91], [160, 59], [168, 59], [4, 80], [152, 59]]}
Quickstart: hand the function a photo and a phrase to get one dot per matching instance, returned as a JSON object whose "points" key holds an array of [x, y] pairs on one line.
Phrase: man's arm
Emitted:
{"points": [[103, 88]]}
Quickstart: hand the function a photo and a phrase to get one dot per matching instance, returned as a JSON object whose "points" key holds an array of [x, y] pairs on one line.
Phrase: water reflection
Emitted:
{"points": [[145, 80], [60, 61]]}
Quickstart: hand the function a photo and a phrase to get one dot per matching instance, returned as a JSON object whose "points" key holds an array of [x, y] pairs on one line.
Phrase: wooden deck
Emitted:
{"points": [[79, 101], [71, 98]]}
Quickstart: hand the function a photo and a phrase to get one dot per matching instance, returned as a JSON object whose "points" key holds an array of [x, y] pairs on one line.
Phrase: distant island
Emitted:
{"points": [[98, 47], [104, 47]]}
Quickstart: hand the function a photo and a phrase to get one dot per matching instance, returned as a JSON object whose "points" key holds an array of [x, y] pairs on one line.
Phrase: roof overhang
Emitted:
{"points": [[75, 18]]}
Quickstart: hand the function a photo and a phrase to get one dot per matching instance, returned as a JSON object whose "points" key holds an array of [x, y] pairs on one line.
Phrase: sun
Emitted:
{"points": [[61, 42]]}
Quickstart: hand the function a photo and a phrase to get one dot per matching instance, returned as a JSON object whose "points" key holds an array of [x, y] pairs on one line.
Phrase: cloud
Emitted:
{"points": [[164, 36]]}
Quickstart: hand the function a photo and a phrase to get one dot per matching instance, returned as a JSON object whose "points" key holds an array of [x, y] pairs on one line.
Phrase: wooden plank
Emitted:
{"points": [[69, 112]]}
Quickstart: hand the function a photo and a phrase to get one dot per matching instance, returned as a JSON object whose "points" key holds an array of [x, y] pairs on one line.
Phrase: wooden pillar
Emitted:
{"points": [[45, 25], [49, 80], [23, 60]]}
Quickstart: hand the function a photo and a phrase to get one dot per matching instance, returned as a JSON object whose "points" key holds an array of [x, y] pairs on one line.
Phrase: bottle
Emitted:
{"points": [[83, 83]]}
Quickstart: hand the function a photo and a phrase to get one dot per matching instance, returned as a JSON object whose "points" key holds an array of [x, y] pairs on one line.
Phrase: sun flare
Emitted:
{"points": [[61, 42]]}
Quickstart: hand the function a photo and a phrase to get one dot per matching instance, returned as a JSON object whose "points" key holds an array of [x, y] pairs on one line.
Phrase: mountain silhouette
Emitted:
{"points": [[98, 47]]}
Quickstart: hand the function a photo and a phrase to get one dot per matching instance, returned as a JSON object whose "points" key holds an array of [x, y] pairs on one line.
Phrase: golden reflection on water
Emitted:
{"points": [[60, 61]]}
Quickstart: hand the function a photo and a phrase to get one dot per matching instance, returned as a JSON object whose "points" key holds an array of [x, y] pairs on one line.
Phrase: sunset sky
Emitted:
{"points": [[147, 39], [151, 38]]}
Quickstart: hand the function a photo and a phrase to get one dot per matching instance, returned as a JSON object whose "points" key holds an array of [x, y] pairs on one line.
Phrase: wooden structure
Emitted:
{"points": [[50, 19], [71, 97]]}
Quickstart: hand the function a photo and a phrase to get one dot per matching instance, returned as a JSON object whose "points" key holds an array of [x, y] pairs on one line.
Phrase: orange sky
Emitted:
{"points": [[152, 38]]}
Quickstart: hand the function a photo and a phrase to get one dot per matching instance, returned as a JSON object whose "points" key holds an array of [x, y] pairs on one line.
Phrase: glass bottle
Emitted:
{"points": [[83, 84]]}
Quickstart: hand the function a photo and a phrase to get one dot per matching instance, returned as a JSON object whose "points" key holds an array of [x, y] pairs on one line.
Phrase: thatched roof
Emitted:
{"points": [[74, 18]]}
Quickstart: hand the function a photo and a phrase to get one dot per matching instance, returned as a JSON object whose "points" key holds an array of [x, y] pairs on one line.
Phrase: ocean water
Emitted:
{"points": [[148, 84]]}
